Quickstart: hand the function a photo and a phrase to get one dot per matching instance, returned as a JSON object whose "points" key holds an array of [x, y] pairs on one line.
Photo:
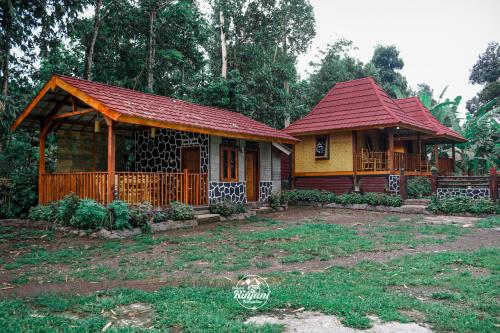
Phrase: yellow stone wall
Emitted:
{"points": [[340, 154]]}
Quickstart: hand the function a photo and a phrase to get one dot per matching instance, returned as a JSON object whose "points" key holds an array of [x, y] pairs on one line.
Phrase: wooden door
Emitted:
{"points": [[191, 159], [252, 175]]}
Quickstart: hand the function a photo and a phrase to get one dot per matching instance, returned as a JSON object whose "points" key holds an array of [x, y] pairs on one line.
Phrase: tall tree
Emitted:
{"points": [[89, 52], [386, 59], [486, 71]]}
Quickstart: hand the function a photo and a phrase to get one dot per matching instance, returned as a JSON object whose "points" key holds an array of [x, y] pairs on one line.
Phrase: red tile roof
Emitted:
{"points": [[413, 107], [170, 111], [355, 104]]}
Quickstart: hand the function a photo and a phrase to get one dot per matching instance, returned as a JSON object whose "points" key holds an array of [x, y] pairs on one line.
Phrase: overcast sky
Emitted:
{"points": [[439, 40]]}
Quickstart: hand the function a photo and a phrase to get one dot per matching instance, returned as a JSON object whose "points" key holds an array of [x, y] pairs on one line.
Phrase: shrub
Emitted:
{"points": [[141, 215], [119, 215], [419, 187], [452, 205], [43, 213], [295, 196], [160, 215], [226, 207], [275, 200], [89, 215], [181, 212], [372, 199], [67, 208]]}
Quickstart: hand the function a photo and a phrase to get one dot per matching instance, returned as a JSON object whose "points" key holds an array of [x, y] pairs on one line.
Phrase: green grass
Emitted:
{"points": [[489, 222], [457, 300]]}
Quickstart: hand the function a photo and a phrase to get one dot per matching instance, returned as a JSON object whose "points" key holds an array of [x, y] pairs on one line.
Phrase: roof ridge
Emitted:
{"points": [[377, 93], [146, 93]]}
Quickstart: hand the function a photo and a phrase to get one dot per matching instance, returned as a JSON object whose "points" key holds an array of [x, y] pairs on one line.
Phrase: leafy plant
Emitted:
{"points": [[181, 212], [226, 207], [44, 213], [119, 215], [141, 215], [419, 187], [67, 208], [295, 196], [89, 215], [160, 215], [462, 204], [275, 200]]}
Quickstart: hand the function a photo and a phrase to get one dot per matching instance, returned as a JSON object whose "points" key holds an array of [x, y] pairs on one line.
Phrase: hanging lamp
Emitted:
{"points": [[97, 124]]}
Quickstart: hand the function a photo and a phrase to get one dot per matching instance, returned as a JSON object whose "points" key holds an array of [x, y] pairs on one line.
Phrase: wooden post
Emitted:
{"points": [[403, 190], [111, 159], [434, 181], [354, 151], [436, 156], [41, 161], [453, 157], [493, 185], [419, 151], [390, 157], [186, 186]]}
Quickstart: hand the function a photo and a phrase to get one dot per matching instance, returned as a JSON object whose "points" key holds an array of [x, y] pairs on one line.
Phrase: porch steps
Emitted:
{"points": [[207, 218], [414, 209], [201, 210], [262, 210]]}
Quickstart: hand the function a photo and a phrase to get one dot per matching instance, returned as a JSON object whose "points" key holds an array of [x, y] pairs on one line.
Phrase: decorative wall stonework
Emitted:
{"points": [[265, 190], [473, 193], [163, 152], [234, 191], [394, 183]]}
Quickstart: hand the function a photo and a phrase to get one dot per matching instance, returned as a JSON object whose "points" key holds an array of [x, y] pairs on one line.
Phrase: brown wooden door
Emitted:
{"points": [[252, 175], [191, 159]]}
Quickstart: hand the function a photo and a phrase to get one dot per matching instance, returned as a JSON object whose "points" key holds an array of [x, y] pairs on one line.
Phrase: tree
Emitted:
{"points": [[387, 61], [486, 71], [89, 52]]}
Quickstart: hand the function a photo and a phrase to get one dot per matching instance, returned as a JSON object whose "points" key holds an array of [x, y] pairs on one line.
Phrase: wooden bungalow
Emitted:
{"points": [[117, 143], [357, 137]]}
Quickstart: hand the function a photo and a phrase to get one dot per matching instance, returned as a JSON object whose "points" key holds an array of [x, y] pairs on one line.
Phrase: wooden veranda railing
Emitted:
{"points": [[411, 162], [379, 161], [132, 187]]}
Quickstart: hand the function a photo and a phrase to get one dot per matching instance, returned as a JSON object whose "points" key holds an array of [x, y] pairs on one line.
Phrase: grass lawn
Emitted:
{"points": [[301, 258]]}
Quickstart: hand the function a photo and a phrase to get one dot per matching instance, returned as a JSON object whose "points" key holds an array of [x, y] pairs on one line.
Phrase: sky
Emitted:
{"points": [[439, 41]]}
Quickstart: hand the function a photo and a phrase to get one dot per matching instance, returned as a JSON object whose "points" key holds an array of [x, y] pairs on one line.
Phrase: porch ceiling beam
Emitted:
{"points": [[71, 114]]}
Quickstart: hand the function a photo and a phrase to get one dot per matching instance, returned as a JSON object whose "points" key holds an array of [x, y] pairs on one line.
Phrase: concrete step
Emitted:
{"points": [[262, 210], [417, 202], [207, 218], [413, 209]]}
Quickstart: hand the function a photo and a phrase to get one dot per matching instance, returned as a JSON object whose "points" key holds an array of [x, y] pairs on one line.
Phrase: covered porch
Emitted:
{"points": [[389, 150], [119, 144]]}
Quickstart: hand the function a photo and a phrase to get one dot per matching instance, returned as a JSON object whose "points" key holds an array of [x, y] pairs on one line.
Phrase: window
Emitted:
{"points": [[229, 164], [321, 148]]}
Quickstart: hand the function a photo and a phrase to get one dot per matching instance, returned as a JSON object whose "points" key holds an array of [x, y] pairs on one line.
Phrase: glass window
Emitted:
{"points": [[229, 163], [321, 148]]}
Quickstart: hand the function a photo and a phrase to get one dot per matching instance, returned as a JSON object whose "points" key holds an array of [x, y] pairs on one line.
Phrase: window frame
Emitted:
{"points": [[327, 149], [229, 149]]}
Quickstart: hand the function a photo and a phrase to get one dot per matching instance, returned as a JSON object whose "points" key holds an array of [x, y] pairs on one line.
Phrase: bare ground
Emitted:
{"points": [[474, 240]]}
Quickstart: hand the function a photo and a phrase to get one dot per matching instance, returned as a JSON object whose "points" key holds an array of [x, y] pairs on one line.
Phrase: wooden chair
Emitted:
{"points": [[368, 163]]}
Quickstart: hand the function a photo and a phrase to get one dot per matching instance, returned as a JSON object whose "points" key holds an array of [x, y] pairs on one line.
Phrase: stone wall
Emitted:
{"points": [[163, 152], [473, 193]]}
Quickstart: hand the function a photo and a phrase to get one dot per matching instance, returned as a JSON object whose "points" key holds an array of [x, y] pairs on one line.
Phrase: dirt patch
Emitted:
{"points": [[317, 322]]}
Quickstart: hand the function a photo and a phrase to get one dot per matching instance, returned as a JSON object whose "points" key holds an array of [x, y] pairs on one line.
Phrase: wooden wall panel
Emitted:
{"points": [[338, 185], [373, 184]]}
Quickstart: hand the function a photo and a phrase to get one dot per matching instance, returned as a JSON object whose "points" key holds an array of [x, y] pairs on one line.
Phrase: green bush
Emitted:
{"points": [[89, 215], [67, 208], [180, 211], [160, 215], [372, 199], [226, 207], [275, 200], [141, 215], [419, 187], [119, 215], [44, 213], [295, 196], [455, 205]]}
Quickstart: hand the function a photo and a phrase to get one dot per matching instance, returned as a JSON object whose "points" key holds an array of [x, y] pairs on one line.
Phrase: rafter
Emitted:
{"points": [[71, 114]]}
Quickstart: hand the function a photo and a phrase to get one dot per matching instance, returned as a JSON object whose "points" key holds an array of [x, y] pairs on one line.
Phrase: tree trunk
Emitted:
{"points": [[151, 49], [223, 46], [286, 84], [7, 28], [89, 52]]}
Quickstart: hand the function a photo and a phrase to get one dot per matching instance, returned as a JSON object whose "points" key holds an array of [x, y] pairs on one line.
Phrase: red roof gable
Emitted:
{"points": [[161, 108], [355, 104], [135, 107], [413, 107]]}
